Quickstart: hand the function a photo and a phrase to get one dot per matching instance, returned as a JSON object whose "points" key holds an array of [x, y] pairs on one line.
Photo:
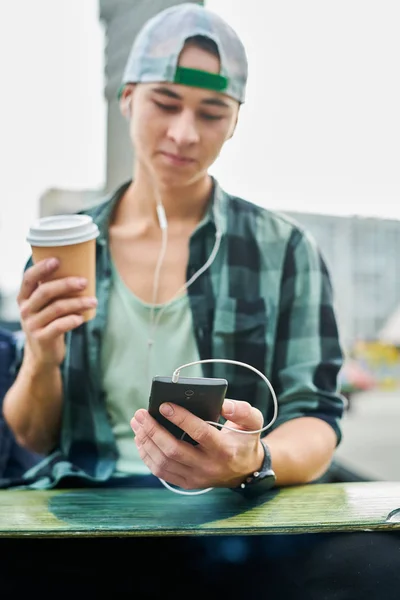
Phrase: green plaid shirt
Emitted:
{"points": [[266, 301]]}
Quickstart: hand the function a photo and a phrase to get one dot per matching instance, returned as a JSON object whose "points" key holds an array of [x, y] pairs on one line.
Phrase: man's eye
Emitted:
{"points": [[167, 107], [209, 117], [171, 108]]}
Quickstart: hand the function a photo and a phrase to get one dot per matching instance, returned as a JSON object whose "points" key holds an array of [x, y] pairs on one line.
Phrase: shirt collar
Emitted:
{"points": [[216, 212]]}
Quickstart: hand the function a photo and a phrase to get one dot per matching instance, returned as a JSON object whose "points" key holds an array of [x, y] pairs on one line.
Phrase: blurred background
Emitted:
{"points": [[318, 139]]}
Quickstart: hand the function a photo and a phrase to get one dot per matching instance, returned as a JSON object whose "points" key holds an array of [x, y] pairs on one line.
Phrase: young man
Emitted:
{"points": [[237, 282], [265, 300]]}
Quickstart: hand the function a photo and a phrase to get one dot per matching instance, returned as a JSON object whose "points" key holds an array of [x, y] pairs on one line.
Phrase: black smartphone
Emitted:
{"points": [[203, 396]]}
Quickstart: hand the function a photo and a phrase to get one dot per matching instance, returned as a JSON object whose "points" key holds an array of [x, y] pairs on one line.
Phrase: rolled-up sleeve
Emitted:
{"points": [[308, 353]]}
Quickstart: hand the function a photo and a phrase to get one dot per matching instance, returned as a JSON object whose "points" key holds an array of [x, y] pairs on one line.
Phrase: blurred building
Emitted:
{"points": [[362, 255]]}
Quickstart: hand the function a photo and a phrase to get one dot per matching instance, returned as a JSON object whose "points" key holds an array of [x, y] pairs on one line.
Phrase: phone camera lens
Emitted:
{"points": [[189, 393]]}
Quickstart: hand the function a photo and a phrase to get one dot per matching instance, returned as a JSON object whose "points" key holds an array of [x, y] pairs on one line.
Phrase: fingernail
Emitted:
{"points": [[134, 425], [167, 410], [52, 263], [139, 417], [82, 282], [229, 407]]}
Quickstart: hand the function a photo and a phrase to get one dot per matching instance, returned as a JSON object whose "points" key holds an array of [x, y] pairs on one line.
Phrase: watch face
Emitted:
{"points": [[259, 485], [265, 479]]}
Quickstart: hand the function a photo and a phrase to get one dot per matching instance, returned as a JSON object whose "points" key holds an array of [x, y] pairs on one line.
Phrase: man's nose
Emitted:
{"points": [[183, 130]]}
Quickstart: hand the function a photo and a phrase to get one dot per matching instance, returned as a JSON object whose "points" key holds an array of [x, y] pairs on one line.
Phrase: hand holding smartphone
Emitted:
{"points": [[202, 396]]}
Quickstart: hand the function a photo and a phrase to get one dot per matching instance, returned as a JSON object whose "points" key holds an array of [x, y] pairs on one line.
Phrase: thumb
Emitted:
{"points": [[242, 415]]}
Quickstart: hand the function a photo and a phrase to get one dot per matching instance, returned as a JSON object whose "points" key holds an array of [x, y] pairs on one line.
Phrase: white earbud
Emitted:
{"points": [[162, 219]]}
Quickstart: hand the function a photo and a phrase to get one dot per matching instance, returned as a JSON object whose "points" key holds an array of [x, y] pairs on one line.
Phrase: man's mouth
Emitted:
{"points": [[178, 159]]}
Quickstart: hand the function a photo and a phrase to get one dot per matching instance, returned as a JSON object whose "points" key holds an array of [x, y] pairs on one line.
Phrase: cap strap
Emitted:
{"points": [[202, 79]]}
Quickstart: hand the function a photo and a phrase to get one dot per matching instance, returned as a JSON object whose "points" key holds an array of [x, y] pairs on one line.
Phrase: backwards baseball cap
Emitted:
{"points": [[155, 52]]}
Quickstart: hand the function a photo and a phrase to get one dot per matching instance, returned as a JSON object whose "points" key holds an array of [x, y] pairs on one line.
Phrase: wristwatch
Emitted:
{"points": [[260, 481]]}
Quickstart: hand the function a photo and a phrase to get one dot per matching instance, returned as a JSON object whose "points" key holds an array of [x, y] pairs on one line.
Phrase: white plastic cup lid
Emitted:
{"points": [[62, 230]]}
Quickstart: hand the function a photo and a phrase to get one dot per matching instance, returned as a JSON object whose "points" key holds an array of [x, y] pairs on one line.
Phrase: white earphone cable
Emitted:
{"points": [[154, 320]]}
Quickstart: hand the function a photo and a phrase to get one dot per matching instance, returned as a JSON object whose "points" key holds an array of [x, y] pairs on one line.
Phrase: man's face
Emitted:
{"points": [[178, 131]]}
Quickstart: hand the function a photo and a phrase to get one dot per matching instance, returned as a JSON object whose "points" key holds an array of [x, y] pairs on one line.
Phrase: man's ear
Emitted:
{"points": [[125, 100]]}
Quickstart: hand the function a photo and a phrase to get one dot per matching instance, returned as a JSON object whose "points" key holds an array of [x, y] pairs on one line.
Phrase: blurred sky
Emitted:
{"points": [[320, 131]]}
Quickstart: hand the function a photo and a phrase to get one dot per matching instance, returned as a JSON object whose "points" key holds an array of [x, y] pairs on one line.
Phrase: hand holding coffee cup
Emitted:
{"points": [[58, 292], [71, 239]]}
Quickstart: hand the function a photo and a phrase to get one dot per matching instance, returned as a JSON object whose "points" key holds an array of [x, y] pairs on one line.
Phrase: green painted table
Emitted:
{"points": [[159, 512]]}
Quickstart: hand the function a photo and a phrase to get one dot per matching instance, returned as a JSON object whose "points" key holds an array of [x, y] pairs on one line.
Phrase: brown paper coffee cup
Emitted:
{"points": [[72, 240]]}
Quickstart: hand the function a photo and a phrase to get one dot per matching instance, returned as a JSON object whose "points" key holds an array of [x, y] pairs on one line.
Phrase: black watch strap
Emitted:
{"points": [[260, 481]]}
